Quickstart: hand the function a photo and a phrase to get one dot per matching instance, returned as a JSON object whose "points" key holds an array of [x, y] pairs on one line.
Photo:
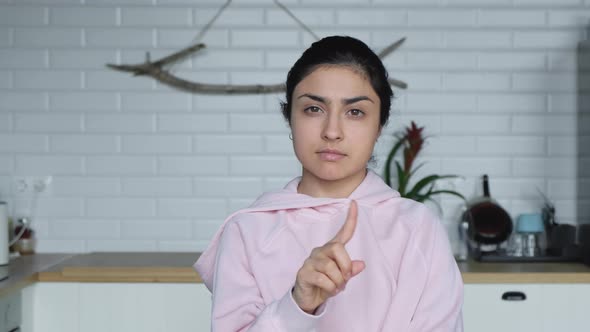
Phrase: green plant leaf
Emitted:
{"points": [[428, 180], [429, 192], [390, 156], [450, 192], [424, 189], [417, 168], [419, 197], [437, 204], [401, 179]]}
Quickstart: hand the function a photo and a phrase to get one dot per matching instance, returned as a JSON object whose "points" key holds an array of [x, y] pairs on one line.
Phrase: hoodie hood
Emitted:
{"points": [[370, 192]]}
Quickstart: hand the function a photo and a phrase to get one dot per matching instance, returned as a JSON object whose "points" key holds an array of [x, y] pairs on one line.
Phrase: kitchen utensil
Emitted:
{"points": [[529, 227], [25, 246], [584, 241], [529, 223], [463, 245], [548, 213], [561, 239], [489, 223], [4, 253], [515, 247]]}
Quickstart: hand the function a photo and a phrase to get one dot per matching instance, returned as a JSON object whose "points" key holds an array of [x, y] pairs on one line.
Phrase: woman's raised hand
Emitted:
{"points": [[327, 270]]}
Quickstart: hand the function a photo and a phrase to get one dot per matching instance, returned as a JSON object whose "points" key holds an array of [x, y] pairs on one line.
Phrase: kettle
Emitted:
{"points": [[4, 239]]}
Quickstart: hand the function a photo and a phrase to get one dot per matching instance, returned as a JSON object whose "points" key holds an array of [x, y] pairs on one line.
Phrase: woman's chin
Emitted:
{"points": [[331, 173]]}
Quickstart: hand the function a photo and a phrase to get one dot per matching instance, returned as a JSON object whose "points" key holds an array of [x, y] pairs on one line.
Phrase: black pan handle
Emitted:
{"points": [[486, 186], [514, 296]]}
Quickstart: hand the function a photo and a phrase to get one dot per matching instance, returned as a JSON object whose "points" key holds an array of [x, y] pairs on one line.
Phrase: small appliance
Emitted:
{"points": [[4, 238]]}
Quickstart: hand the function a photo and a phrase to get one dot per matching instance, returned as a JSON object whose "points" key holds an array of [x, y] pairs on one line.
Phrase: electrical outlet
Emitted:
{"points": [[27, 185]]}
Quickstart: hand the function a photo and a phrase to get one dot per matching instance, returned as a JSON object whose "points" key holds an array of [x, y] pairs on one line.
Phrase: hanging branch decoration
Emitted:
{"points": [[157, 70]]}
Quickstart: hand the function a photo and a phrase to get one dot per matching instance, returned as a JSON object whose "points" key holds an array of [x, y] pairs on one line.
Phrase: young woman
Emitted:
{"points": [[336, 249]]}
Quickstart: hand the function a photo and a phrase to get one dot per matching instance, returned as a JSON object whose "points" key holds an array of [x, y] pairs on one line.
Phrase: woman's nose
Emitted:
{"points": [[332, 128]]}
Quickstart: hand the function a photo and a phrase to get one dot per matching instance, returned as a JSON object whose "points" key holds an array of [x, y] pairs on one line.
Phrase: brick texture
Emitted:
{"points": [[137, 165]]}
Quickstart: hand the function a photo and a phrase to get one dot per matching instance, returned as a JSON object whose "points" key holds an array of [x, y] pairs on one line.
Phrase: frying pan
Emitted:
{"points": [[488, 222]]}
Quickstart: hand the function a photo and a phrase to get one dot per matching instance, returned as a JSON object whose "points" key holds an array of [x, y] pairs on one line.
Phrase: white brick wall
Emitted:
{"points": [[140, 166]]}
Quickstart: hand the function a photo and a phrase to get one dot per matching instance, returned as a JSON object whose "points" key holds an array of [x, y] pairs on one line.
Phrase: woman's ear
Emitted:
{"points": [[285, 109]]}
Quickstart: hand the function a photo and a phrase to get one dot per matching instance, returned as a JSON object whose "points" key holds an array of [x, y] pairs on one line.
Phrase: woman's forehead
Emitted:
{"points": [[334, 80], [357, 69]]}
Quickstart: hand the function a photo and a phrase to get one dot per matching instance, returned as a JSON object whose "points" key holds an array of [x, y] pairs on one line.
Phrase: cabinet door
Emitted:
{"points": [[566, 307], [502, 307], [148, 307], [116, 307], [50, 307]]}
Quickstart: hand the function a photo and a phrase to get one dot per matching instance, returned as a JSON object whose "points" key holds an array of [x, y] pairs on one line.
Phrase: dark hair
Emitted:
{"points": [[345, 51]]}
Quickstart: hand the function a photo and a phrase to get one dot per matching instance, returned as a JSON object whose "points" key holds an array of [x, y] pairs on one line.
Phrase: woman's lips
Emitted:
{"points": [[331, 155]]}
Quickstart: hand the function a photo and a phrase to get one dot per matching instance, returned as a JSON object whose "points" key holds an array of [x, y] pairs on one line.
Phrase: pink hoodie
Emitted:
{"points": [[411, 281]]}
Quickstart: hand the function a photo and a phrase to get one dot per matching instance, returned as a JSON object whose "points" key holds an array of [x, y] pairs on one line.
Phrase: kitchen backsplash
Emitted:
{"points": [[139, 166]]}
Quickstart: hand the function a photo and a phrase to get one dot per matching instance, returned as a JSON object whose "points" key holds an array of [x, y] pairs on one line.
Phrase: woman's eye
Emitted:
{"points": [[313, 109], [356, 113]]}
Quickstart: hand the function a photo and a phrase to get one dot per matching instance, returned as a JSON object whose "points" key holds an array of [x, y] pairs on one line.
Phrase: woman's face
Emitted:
{"points": [[334, 123]]}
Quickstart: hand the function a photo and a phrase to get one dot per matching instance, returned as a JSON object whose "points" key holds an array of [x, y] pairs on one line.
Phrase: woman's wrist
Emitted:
{"points": [[296, 298]]}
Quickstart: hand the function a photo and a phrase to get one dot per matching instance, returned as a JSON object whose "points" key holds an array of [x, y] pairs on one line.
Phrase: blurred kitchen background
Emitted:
{"points": [[138, 166]]}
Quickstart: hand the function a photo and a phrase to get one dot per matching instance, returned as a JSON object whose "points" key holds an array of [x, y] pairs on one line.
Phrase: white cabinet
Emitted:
{"points": [[484, 310], [166, 307], [10, 311], [526, 307], [566, 307], [116, 307]]}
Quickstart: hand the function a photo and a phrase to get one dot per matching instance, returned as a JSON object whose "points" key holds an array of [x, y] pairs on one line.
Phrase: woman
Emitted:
{"points": [[336, 249]]}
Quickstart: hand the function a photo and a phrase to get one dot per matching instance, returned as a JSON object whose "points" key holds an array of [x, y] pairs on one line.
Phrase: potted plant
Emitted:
{"points": [[410, 142]]}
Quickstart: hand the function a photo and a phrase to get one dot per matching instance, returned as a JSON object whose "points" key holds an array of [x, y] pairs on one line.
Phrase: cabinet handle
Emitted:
{"points": [[514, 296]]}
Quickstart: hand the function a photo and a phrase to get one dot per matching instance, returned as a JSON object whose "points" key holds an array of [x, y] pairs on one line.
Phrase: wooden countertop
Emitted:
{"points": [[177, 268], [125, 267], [524, 273], [23, 270]]}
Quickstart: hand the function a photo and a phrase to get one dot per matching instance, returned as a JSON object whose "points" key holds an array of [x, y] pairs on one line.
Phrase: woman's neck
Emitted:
{"points": [[315, 187]]}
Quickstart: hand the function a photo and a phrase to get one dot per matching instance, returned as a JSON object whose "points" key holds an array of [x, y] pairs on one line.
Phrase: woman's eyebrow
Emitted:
{"points": [[313, 97], [348, 101], [345, 101]]}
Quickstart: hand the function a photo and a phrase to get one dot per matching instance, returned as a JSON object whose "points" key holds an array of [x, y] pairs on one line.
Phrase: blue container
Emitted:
{"points": [[530, 223]]}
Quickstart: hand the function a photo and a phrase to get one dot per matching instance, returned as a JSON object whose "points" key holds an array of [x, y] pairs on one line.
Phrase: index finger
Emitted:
{"points": [[345, 233]]}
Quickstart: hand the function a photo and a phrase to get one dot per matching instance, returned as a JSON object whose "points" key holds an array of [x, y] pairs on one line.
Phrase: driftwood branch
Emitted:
{"points": [[298, 21], [389, 49], [145, 68], [165, 77], [157, 71], [398, 83]]}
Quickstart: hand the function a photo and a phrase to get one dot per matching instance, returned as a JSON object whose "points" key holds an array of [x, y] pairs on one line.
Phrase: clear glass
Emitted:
{"points": [[530, 245], [25, 246], [515, 247]]}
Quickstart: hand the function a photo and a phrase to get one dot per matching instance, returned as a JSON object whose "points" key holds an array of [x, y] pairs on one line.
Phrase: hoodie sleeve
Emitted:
{"points": [[441, 303], [237, 302]]}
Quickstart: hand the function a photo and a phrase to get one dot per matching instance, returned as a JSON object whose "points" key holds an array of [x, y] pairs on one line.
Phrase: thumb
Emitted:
{"points": [[345, 233], [357, 267]]}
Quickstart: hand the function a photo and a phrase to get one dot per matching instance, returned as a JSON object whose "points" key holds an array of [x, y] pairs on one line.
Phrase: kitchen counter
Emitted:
{"points": [[177, 268], [125, 267], [23, 270], [474, 272]]}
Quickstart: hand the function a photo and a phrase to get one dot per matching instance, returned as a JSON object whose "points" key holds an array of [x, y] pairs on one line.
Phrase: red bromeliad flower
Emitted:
{"points": [[411, 140], [414, 142]]}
